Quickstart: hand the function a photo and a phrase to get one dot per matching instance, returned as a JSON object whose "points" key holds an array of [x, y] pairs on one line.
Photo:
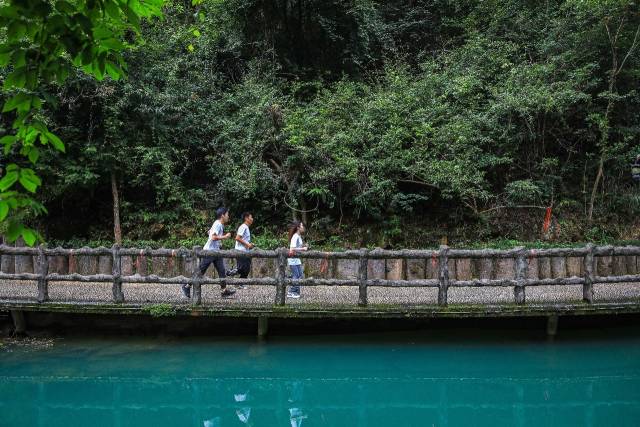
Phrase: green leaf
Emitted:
{"points": [[8, 140], [16, 31], [113, 70], [65, 7], [10, 178], [112, 9], [132, 17], [29, 236], [112, 44], [17, 79], [4, 209], [21, 102], [13, 231], [55, 141], [196, 33], [19, 58], [29, 180], [9, 12], [102, 33], [34, 155], [5, 57], [190, 48]]}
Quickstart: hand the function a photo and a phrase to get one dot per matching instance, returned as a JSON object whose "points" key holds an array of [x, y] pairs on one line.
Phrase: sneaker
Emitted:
{"points": [[186, 291], [232, 272], [293, 295], [226, 292]]}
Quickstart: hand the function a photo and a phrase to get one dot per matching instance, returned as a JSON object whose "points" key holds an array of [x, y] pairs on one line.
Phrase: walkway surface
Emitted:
{"points": [[315, 295]]}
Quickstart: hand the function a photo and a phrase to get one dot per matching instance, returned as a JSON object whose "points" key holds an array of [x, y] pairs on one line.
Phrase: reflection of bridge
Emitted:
{"points": [[52, 401], [122, 280]]}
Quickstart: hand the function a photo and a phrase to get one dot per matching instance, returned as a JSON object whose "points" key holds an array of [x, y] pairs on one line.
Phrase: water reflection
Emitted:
{"points": [[68, 401], [149, 384]]}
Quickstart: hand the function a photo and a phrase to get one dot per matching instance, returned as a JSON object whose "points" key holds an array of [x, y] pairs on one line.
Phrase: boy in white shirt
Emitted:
{"points": [[216, 236], [243, 243]]}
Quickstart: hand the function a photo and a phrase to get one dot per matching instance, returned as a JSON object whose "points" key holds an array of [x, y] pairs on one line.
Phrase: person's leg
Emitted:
{"points": [[296, 271], [202, 268], [218, 263], [244, 267], [204, 264]]}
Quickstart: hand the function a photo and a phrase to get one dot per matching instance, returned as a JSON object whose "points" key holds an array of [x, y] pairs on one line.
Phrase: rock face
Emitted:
{"points": [[263, 267], [159, 266], [432, 267], [575, 266], [619, 266], [631, 264], [464, 269], [141, 265], [347, 268], [483, 268], [394, 269], [376, 269], [8, 264], [558, 267], [604, 265], [23, 263], [105, 264], [504, 268], [189, 267], [87, 265], [544, 268], [126, 265], [416, 269], [533, 270]]}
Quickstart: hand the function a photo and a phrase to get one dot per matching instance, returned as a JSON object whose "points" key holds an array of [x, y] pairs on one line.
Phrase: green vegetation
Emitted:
{"points": [[379, 123], [160, 310], [43, 42]]}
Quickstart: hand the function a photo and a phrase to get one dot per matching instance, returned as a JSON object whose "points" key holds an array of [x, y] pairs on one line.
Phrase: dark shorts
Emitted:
{"points": [[244, 267], [218, 263]]}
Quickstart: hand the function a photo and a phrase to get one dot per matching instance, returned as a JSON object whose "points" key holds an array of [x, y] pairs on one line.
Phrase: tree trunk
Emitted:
{"points": [[117, 231], [594, 189]]}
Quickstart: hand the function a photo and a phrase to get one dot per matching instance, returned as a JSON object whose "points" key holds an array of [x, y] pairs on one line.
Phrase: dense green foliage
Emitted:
{"points": [[456, 117], [42, 43]]}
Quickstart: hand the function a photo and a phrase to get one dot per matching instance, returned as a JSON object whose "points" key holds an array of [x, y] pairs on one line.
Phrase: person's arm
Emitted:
{"points": [[213, 235], [243, 243], [292, 247]]}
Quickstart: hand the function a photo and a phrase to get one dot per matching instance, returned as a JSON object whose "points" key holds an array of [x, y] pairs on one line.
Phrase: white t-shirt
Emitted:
{"points": [[245, 234], [217, 229], [296, 242]]}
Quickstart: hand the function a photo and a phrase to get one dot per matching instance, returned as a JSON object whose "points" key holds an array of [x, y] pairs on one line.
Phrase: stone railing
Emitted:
{"points": [[443, 268]]}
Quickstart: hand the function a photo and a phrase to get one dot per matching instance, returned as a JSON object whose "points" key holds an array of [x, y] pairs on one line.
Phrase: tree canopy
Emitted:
{"points": [[339, 112]]}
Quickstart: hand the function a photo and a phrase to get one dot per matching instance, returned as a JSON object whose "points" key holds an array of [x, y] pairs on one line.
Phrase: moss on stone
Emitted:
{"points": [[160, 310]]}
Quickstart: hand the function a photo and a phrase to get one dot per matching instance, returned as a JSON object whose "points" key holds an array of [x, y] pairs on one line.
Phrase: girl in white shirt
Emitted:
{"points": [[296, 230]]}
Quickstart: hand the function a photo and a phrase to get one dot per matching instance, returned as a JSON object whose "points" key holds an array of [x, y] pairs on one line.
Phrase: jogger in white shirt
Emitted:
{"points": [[243, 243], [296, 229]]}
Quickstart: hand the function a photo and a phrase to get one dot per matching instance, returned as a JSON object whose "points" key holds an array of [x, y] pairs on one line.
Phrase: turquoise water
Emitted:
{"points": [[365, 380]]}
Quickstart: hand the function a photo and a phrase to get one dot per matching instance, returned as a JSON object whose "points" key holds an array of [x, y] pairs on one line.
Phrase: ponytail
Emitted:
{"points": [[293, 229]]}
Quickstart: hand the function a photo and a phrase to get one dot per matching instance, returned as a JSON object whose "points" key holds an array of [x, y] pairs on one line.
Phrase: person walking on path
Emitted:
{"points": [[296, 230], [216, 236], [243, 244]]}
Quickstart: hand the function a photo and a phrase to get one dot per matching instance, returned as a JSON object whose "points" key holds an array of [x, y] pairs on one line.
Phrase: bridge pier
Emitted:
{"points": [[263, 326], [19, 323], [552, 325]]}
